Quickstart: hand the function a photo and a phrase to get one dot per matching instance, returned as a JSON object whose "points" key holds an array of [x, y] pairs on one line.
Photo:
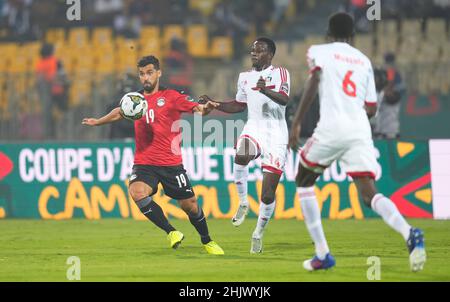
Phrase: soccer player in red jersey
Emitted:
{"points": [[158, 154]]}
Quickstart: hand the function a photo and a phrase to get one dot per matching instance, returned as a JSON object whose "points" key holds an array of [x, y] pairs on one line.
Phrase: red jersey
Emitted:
{"points": [[156, 144]]}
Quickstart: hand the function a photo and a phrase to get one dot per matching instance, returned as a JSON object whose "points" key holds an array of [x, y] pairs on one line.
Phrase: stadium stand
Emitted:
{"points": [[93, 52]]}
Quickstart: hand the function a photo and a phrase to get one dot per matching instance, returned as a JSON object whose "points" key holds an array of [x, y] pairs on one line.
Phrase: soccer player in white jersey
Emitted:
{"points": [[264, 91], [344, 78]]}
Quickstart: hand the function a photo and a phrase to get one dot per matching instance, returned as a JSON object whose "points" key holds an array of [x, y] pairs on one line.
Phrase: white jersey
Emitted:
{"points": [[261, 109], [266, 125], [346, 84]]}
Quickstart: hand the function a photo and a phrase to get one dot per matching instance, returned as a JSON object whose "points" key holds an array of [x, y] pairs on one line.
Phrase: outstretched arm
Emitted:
{"points": [[227, 107], [205, 109], [308, 96], [113, 116]]}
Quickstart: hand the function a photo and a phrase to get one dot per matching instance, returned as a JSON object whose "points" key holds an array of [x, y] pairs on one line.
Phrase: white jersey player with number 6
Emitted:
{"points": [[344, 78], [346, 85]]}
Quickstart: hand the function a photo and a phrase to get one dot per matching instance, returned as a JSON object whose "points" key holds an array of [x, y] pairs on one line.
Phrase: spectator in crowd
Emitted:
{"points": [[228, 23], [60, 88], [52, 87], [179, 67], [380, 75], [387, 123], [280, 8], [105, 11], [442, 9], [261, 15], [17, 14], [357, 8], [127, 24]]}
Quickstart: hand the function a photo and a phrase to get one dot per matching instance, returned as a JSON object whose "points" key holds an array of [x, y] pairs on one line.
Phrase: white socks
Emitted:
{"points": [[311, 213], [265, 212], [240, 179], [390, 214]]}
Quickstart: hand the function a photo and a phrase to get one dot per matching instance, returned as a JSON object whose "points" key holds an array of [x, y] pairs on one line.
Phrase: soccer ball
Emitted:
{"points": [[133, 106]]}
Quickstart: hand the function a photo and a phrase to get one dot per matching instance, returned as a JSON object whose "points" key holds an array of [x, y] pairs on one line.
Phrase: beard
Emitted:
{"points": [[148, 87]]}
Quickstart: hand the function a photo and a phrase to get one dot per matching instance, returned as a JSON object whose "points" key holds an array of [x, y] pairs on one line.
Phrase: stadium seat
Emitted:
{"points": [[411, 28], [298, 56], [126, 55], [126, 44], [66, 54], [250, 38], [299, 50], [80, 91], [104, 60], [429, 53], [83, 60], [408, 49], [314, 40], [197, 40], [170, 32], [151, 47], [3, 100], [205, 7], [388, 28], [8, 51], [19, 63], [55, 35], [101, 36], [149, 32], [435, 27], [32, 50], [446, 51], [78, 37], [386, 43], [291, 11], [365, 44], [282, 56], [221, 47]]}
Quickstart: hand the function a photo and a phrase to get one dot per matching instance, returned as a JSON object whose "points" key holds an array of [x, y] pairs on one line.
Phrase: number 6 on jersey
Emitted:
{"points": [[348, 83]]}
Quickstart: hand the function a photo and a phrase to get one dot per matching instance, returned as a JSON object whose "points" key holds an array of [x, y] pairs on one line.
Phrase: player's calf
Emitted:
{"points": [[196, 217], [155, 214]]}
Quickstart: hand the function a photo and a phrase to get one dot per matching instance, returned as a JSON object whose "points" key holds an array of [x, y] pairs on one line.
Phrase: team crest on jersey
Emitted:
{"points": [[161, 102], [269, 79]]}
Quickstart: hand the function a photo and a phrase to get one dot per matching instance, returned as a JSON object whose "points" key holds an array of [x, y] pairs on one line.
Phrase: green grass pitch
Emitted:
{"points": [[128, 250]]}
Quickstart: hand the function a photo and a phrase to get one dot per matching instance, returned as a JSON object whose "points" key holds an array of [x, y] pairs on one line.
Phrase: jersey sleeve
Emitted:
{"points": [[282, 80], [315, 59], [184, 103], [241, 95], [371, 94]]}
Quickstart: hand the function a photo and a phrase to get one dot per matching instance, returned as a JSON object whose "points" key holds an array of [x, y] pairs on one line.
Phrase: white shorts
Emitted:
{"points": [[271, 147], [357, 157]]}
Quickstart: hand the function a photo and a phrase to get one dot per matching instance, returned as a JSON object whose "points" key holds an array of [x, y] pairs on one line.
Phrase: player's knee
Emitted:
{"points": [[189, 206], [268, 198], [243, 160], [302, 181], [139, 192]]}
